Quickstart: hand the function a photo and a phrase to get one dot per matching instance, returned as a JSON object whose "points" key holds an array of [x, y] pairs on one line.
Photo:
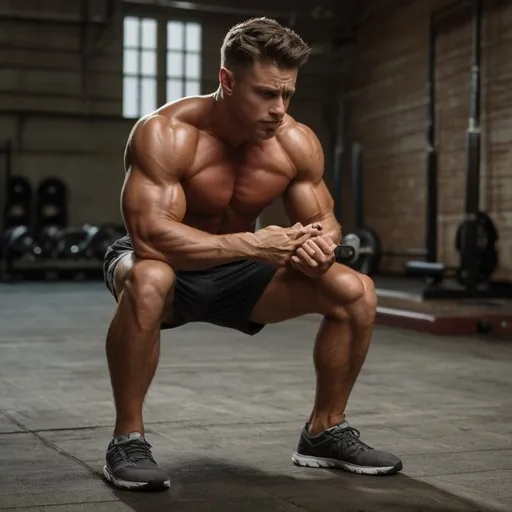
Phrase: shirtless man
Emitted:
{"points": [[199, 172]]}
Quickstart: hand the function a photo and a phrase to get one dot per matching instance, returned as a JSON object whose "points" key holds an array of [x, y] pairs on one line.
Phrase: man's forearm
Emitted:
{"points": [[331, 227], [187, 248]]}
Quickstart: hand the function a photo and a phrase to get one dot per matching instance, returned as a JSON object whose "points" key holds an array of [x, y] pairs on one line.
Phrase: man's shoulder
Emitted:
{"points": [[182, 116], [173, 129], [167, 137], [301, 145]]}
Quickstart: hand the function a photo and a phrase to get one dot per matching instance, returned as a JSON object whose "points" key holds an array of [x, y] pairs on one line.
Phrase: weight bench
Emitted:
{"points": [[434, 272]]}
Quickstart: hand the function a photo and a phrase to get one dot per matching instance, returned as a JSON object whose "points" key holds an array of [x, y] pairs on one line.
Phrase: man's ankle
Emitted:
{"points": [[318, 423], [125, 429]]}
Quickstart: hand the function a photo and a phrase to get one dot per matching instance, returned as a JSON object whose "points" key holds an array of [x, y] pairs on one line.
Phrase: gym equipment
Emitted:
{"points": [[87, 241], [371, 246], [43, 245], [20, 243], [469, 254], [58, 252], [71, 243], [18, 211], [51, 203], [477, 235], [349, 249], [103, 237], [370, 252], [486, 254]]}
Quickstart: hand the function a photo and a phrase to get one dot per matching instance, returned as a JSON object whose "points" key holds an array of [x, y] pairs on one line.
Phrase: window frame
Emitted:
{"points": [[160, 74]]}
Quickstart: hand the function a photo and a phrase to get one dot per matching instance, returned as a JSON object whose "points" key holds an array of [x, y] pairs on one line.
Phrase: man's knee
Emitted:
{"points": [[148, 282], [370, 293], [352, 292]]}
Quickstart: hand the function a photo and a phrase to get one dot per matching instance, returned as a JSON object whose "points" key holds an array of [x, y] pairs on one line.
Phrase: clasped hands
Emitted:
{"points": [[316, 255]]}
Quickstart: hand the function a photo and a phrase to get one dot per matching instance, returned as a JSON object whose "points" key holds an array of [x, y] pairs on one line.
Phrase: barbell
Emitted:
{"points": [[361, 251]]}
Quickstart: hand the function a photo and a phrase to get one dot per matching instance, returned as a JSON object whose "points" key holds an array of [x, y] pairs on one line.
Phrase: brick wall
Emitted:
{"points": [[387, 113]]}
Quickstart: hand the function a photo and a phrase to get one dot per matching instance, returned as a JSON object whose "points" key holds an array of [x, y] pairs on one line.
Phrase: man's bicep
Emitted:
{"points": [[308, 201], [152, 196], [149, 205]]}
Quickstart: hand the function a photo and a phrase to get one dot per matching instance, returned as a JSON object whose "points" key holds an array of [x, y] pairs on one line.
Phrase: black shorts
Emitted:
{"points": [[223, 295]]}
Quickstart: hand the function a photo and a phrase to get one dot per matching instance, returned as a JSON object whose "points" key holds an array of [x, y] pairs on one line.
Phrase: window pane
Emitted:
{"points": [[174, 64], [130, 97], [148, 33], [193, 37], [174, 35], [148, 95], [174, 89], [131, 62], [149, 62], [131, 31], [192, 88], [192, 70]]}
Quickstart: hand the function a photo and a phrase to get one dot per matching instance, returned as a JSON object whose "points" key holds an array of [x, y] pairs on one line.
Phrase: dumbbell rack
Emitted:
{"points": [[60, 253]]}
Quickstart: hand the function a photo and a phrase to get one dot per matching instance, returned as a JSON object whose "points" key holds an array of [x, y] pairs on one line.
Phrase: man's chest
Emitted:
{"points": [[245, 183]]}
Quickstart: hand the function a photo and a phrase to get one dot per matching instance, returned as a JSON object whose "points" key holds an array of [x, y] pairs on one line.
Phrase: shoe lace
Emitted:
{"points": [[349, 436], [137, 450]]}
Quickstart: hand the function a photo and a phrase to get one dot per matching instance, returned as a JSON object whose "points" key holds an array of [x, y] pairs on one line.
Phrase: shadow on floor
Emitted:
{"points": [[214, 486]]}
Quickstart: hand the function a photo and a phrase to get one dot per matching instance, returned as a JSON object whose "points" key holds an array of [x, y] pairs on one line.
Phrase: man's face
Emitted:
{"points": [[261, 96]]}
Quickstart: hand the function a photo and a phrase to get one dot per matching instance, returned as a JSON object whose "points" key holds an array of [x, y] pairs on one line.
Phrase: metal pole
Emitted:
{"points": [[469, 243], [431, 198]]}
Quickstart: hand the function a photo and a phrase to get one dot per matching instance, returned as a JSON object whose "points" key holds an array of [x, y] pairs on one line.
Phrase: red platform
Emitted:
{"points": [[401, 305]]}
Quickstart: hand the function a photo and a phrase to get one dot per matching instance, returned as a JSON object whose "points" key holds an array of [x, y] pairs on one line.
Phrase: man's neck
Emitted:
{"points": [[225, 124]]}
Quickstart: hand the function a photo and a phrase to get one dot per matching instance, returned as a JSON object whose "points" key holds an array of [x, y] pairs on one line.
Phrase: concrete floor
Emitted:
{"points": [[225, 411]]}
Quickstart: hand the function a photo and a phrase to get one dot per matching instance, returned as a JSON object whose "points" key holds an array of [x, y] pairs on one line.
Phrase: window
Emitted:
{"points": [[153, 75], [139, 66], [183, 59]]}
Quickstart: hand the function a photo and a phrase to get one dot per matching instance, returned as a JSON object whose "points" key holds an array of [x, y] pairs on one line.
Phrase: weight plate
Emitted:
{"points": [[20, 243], [18, 209], [52, 190], [487, 235], [71, 243], [20, 189], [487, 232], [371, 252]]}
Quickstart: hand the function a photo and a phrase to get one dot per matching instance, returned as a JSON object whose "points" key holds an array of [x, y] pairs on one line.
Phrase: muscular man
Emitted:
{"points": [[199, 172]]}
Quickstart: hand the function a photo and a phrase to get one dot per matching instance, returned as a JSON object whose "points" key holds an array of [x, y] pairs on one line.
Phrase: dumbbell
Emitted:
{"points": [[349, 250]]}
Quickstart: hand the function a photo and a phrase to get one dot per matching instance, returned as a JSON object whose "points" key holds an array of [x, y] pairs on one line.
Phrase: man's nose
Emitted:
{"points": [[278, 109]]}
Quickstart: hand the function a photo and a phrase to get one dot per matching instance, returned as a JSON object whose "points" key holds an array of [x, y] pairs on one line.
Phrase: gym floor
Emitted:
{"points": [[225, 411]]}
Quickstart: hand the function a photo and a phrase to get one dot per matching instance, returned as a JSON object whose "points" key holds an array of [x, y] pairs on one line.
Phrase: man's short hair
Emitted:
{"points": [[264, 40]]}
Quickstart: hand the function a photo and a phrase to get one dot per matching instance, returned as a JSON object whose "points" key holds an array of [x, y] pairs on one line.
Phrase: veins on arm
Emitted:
{"points": [[307, 198]]}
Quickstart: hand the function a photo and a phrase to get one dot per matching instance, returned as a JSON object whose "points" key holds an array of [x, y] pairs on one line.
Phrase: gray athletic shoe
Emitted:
{"points": [[130, 464], [340, 447]]}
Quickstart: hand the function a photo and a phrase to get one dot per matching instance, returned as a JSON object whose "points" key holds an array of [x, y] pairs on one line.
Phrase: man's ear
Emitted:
{"points": [[226, 80]]}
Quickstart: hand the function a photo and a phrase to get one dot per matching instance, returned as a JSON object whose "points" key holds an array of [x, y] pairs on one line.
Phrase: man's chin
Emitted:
{"points": [[265, 134]]}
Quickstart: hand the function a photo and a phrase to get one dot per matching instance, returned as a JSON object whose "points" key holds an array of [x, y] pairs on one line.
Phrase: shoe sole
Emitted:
{"points": [[306, 461], [135, 486]]}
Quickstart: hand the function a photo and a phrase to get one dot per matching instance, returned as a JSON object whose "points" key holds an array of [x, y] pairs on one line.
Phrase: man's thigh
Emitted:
{"points": [[291, 294], [223, 295]]}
